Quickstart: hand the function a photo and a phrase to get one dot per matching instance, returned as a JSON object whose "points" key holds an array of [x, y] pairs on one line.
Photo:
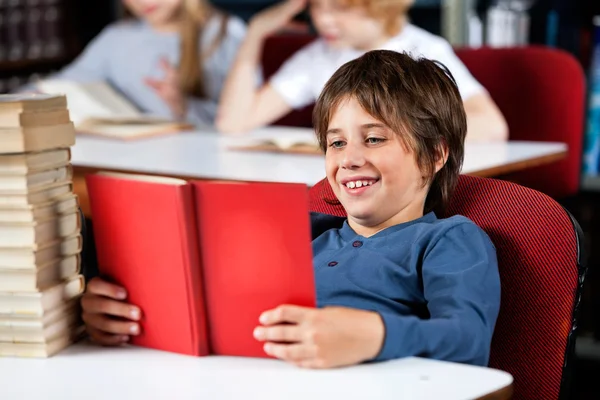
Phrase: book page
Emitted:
{"points": [[280, 139], [90, 100]]}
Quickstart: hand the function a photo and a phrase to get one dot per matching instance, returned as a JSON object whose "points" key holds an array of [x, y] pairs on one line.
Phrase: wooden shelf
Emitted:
{"points": [[10, 66]]}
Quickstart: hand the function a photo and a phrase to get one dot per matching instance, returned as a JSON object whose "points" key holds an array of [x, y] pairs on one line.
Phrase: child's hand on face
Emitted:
{"points": [[275, 18], [321, 338], [169, 90], [108, 318]]}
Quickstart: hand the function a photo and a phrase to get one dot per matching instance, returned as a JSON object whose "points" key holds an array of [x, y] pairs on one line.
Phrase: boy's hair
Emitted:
{"points": [[390, 12], [417, 99]]}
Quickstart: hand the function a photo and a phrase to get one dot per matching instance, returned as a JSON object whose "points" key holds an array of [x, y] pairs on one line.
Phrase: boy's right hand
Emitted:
{"points": [[275, 18], [109, 320]]}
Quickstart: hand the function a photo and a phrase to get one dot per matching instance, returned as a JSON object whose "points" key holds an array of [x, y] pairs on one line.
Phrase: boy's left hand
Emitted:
{"points": [[321, 338], [169, 90]]}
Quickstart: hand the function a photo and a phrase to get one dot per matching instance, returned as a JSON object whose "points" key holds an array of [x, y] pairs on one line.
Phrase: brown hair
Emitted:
{"points": [[390, 12], [193, 16], [416, 98]]}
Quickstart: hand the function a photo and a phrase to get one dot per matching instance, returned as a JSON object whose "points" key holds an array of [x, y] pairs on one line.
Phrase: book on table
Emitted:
{"points": [[202, 259], [98, 109], [278, 139]]}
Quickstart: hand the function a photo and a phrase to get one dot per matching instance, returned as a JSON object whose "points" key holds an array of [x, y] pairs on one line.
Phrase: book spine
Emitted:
{"points": [[591, 156], [190, 247]]}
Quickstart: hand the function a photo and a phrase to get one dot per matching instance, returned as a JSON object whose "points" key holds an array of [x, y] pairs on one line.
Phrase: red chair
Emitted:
{"points": [[276, 50], [539, 248], [540, 91]]}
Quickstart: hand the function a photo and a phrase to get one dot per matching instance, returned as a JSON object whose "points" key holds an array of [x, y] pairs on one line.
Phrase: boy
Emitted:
{"points": [[346, 29], [393, 280]]}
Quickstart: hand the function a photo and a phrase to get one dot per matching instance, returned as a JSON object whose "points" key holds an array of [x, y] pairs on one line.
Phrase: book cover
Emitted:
{"points": [[256, 255], [146, 242]]}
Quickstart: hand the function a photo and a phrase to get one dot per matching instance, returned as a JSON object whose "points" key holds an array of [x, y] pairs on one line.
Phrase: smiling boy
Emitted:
{"points": [[395, 280]]}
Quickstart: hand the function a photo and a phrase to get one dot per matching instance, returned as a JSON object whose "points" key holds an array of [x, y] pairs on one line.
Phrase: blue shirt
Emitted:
{"points": [[128, 51], [434, 282]]}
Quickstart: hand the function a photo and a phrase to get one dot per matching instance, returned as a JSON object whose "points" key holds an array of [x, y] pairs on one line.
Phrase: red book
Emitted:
{"points": [[203, 260], [144, 230], [256, 255]]}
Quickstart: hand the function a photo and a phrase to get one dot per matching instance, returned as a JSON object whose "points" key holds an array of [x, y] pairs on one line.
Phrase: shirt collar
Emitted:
{"points": [[347, 233]]}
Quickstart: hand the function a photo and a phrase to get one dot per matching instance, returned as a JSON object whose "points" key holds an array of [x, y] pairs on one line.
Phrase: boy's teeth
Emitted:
{"points": [[357, 184]]}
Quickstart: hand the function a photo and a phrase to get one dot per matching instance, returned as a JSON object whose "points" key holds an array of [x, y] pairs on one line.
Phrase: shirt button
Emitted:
{"points": [[358, 243], [332, 263]]}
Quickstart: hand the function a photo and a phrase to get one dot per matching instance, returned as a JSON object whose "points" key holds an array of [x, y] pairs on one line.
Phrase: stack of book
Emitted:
{"points": [[40, 227]]}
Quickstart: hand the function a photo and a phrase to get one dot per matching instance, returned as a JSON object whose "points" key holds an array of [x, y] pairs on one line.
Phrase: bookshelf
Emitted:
{"points": [[38, 37]]}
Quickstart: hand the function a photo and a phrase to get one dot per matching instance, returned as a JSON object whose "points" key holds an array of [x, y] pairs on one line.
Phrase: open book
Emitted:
{"points": [[203, 259], [97, 108], [280, 139]]}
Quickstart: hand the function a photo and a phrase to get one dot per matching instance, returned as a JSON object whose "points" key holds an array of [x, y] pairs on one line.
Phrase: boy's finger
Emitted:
{"points": [[290, 352], [284, 313], [101, 305], [279, 333], [106, 339], [100, 287], [108, 325]]}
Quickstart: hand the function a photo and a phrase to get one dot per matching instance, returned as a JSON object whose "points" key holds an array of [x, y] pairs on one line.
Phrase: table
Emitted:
{"points": [[85, 371], [207, 155]]}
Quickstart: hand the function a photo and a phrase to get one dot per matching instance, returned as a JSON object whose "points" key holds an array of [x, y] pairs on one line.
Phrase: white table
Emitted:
{"points": [[89, 372], [207, 155]]}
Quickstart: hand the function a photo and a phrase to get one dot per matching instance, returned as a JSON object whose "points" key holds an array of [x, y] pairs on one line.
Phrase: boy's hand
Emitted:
{"points": [[169, 90], [108, 319], [275, 18], [321, 338]]}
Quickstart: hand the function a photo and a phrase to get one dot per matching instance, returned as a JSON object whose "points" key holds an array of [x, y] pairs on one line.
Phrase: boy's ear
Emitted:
{"points": [[442, 157]]}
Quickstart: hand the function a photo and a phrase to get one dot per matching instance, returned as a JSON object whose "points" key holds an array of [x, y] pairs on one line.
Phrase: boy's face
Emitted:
{"points": [[374, 176], [345, 26], [156, 12]]}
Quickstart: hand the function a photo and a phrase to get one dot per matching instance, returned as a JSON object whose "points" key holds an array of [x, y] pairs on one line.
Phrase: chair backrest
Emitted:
{"points": [[538, 246], [540, 91], [277, 49]]}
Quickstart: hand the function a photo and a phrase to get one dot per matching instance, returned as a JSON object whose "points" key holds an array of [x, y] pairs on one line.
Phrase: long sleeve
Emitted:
{"points": [[92, 63], [461, 286], [201, 112]]}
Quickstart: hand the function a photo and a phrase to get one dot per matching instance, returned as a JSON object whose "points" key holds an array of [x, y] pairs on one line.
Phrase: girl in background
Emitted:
{"points": [[170, 59]]}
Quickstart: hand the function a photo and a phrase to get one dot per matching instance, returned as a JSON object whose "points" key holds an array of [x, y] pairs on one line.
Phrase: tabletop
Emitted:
{"points": [[208, 155], [86, 371]]}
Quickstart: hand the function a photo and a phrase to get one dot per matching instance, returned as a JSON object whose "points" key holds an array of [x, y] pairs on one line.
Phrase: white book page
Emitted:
{"points": [[90, 100]]}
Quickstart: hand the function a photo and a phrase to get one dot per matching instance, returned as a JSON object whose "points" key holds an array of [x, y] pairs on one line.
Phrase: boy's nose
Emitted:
{"points": [[353, 156]]}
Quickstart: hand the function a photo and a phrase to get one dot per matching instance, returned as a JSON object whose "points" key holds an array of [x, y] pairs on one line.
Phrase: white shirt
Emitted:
{"points": [[302, 77]]}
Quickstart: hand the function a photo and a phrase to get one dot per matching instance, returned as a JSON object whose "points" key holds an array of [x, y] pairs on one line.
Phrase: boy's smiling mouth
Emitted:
{"points": [[357, 185]]}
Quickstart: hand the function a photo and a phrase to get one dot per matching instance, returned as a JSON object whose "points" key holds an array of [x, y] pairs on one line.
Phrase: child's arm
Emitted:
{"points": [[485, 122], [462, 289], [242, 106], [461, 285]]}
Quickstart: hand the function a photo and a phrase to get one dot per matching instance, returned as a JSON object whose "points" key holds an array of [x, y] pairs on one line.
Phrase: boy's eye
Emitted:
{"points": [[374, 140], [336, 144]]}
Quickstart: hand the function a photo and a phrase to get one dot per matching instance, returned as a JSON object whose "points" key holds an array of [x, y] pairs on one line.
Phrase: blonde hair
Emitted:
{"points": [[193, 16], [391, 12]]}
